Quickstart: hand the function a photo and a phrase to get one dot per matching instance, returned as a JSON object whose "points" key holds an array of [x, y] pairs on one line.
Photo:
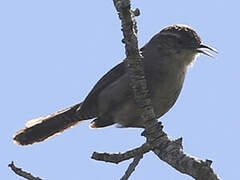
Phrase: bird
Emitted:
{"points": [[166, 60]]}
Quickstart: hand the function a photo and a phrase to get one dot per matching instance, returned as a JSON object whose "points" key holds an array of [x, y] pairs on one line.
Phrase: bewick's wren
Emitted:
{"points": [[167, 57]]}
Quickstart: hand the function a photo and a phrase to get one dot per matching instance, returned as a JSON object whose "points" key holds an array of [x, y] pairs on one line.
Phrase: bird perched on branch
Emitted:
{"points": [[166, 58]]}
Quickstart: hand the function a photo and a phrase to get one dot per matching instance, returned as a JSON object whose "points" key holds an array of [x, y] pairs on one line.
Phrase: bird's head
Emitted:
{"points": [[181, 42]]}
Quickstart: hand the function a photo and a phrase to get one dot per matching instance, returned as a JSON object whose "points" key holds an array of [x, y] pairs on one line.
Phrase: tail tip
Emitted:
{"points": [[20, 139]]}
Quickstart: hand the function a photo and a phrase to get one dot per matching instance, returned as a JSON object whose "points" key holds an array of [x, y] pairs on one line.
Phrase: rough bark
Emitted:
{"points": [[167, 149]]}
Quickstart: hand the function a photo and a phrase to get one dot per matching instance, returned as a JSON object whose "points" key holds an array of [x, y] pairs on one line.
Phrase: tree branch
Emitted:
{"points": [[132, 167], [119, 157], [168, 150], [22, 173]]}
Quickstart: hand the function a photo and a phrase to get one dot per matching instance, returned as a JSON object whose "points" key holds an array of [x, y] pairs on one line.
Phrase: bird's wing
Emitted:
{"points": [[89, 107]]}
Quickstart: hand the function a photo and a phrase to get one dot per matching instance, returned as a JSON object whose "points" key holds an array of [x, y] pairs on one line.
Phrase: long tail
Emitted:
{"points": [[39, 129]]}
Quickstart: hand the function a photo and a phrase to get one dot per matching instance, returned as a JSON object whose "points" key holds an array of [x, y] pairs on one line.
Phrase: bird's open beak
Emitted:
{"points": [[202, 46]]}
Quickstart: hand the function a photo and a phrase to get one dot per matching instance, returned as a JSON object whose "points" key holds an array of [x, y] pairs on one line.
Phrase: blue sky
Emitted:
{"points": [[53, 52]]}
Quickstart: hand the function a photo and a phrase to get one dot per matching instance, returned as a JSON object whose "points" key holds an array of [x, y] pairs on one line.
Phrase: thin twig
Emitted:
{"points": [[119, 157], [22, 173], [132, 167]]}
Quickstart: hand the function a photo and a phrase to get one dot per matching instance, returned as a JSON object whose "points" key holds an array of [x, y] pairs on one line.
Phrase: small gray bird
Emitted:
{"points": [[167, 57]]}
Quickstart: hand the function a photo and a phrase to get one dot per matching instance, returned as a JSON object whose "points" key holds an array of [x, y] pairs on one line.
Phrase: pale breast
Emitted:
{"points": [[165, 95]]}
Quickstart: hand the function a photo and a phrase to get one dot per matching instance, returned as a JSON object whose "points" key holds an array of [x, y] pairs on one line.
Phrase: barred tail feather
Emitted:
{"points": [[39, 129]]}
